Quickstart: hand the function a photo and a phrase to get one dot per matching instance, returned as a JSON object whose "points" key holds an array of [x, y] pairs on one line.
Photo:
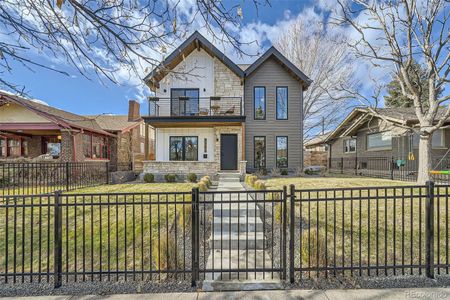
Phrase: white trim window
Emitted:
{"points": [[437, 140], [379, 141], [350, 145]]}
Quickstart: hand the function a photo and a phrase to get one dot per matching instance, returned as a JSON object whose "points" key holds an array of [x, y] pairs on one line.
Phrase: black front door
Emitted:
{"points": [[228, 151]]}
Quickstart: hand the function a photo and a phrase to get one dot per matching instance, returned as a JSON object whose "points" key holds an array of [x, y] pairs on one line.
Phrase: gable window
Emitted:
{"points": [[437, 140], [259, 148], [184, 102], [259, 101], [380, 140], [282, 103], [350, 146], [282, 151], [183, 148]]}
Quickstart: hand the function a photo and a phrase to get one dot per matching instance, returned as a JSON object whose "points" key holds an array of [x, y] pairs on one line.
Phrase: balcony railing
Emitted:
{"points": [[198, 106]]}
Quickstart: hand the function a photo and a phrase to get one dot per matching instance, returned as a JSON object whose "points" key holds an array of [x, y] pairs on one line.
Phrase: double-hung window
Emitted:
{"points": [[183, 148], [259, 145], [282, 103], [259, 102], [282, 151], [350, 146]]}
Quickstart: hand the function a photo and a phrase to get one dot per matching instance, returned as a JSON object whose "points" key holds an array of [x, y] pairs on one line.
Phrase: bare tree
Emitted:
{"points": [[111, 38], [325, 57], [394, 34]]}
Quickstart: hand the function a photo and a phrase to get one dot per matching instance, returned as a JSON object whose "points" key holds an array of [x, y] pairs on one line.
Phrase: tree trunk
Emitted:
{"points": [[424, 159]]}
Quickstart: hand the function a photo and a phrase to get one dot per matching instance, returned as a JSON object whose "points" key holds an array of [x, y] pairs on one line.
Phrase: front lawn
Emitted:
{"points": [[330, 182], [137, 188], [100, 232]]}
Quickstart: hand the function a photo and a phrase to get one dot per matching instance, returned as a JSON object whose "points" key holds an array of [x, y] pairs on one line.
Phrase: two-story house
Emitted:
{"points": [[212, 115]]}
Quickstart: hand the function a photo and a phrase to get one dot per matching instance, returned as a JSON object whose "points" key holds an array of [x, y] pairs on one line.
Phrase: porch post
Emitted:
{"points": [[146, 144]]}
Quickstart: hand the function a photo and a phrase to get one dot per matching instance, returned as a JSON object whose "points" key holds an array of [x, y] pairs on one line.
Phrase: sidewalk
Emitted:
{"points": [[419, 293]]}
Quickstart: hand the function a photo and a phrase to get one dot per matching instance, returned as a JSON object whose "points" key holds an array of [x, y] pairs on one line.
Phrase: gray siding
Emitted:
{"points": [[270, 75], [399, 148]]}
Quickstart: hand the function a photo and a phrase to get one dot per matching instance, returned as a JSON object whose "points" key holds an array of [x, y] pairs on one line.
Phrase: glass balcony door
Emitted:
{"points": [[184, 102]]}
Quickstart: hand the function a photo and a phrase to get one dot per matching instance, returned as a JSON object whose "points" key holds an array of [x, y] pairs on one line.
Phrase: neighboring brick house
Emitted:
{"points": [[385, 134], [129, 147], [211, 115], [29, 130]]}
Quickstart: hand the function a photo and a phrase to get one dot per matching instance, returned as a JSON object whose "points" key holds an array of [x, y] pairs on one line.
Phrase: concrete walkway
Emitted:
{"points": [[237, 242], [362, 294]]}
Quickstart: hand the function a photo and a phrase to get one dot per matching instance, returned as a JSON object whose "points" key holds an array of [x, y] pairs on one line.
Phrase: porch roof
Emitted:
{"points": [[194, 121]]}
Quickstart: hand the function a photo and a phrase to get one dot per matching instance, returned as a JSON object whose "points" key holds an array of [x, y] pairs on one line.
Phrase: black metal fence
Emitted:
{"points": [[386, 167], [207, 236], [369, 231], [46, 177]]}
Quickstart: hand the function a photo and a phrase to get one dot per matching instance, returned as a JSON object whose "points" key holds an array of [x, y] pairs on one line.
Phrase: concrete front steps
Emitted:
{"points": [[237, 243]]}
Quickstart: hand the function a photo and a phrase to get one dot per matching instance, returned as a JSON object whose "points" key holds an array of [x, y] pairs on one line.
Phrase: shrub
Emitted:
{"points": [[261, 172], [170, 177], [259, 185], [206, 180], [316, 255], [298, 172], [250, 180], [184, 219], [166, 255], [284, 172], [275, 172], [202, 187], [192, 177], [278, 214], [149, 177]]}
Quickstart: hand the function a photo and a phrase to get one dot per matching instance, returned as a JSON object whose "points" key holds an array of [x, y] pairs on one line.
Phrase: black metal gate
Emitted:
{"points": [[239, 235]]}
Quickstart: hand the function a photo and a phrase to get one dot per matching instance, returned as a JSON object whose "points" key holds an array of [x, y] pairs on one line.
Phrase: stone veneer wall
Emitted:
{"points": [[227, 130], [181, 168], [226, 83]]}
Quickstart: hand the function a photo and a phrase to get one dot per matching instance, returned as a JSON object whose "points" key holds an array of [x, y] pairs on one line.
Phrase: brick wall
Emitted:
{"points": [[315, 158], [35, 146], [67, 143]]}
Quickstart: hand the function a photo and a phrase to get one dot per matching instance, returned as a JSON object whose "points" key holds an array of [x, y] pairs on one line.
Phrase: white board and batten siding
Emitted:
{"points": [[164, 134], [200, 66]]}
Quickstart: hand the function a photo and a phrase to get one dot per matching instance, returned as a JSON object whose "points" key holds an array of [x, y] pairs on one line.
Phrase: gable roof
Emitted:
{"points": [[195, 41], [114, 122], [60, 117], [286, 63], [400, 116]]}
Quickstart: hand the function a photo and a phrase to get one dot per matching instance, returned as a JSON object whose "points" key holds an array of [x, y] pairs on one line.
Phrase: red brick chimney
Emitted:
{"points": [[133, 111]]}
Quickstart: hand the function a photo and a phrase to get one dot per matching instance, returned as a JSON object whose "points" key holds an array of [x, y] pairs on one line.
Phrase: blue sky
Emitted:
{"points": [[80, 95]]}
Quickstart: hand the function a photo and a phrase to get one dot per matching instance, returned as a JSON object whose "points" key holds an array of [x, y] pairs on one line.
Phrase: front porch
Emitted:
{"points": [[200, 150]]}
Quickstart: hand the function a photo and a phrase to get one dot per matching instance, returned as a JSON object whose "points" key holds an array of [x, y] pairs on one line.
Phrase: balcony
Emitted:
{"points": [[205, 110]]}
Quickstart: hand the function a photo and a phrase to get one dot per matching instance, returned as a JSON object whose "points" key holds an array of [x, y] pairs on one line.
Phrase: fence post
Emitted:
{"points": [[107, 172], [284, 237], [392, 168], [58, 240], [342, 165], [291, 233], [195, 229], [67, 176], [429, 230]]}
